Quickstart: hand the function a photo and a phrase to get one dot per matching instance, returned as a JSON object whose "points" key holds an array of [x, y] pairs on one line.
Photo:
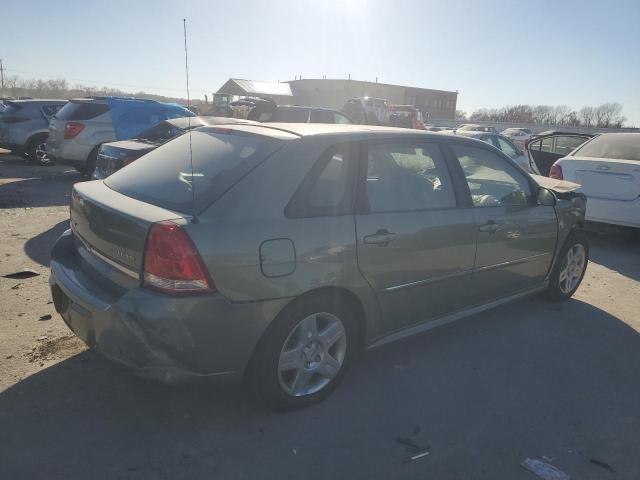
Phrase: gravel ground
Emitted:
{"points": [[528, 379]]}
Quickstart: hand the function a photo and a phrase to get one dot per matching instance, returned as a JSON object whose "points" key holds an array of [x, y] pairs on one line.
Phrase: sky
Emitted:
{"points": [[494, 53]]}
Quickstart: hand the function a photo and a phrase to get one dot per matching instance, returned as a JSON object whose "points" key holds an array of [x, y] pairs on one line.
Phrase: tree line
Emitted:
{"points": [[607, 115], [16, 87]]}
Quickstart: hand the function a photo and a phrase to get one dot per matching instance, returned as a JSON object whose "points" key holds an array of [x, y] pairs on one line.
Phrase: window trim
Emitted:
{"points": [[298, 205], [361, 199]]}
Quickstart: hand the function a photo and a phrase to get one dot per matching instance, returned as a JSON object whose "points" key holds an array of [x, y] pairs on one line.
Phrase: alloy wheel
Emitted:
{"points": [[312, 354], [41, 154], [573, 268]]}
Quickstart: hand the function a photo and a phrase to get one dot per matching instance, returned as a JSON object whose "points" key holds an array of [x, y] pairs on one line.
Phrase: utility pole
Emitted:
{"points": [[1, 77]]}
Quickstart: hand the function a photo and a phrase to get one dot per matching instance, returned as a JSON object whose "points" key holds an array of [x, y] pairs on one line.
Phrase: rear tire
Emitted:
{"points": [[36, 151], [296, 364], [90, 165], [569, 270]]}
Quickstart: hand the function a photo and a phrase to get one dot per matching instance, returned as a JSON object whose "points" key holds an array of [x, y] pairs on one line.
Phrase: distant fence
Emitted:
{"points": [[535, 128]]}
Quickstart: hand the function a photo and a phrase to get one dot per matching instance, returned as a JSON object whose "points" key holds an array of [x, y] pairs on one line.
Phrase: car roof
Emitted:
{"points": [[297, 130], [37, 100]]}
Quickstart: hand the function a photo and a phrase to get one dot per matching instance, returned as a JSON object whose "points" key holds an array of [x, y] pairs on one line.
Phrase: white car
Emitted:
{"points": [[518, 135], [608, 169]]}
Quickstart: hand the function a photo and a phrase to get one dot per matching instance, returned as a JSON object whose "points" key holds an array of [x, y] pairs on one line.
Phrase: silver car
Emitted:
{"points": [[80, 127], [24, 127], [274, 252]]}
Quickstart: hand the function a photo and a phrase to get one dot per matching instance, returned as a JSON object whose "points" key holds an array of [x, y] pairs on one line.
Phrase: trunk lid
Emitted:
{"points": [[603, 177], [110, 231]]}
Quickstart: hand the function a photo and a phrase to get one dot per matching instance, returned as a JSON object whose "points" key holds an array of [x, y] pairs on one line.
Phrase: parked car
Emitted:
{"points": [[502, 143], [368, 110], [24, 127], [519, 136], [300, 114], [405, 116], [287, 247], [545, 148], [607, 167], [113, 156], [476, 128], [82, 125]]}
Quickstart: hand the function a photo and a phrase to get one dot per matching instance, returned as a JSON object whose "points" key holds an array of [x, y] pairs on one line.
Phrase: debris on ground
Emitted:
{"points": [[61, 347], [22, 274], [602, 464], [8, 357], [413, 449], [41, 338], [16, 286], [544, 470], [45, 317]]}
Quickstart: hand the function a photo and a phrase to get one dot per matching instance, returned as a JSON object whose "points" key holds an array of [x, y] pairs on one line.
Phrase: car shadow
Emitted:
{"points": [[38, 248], [527, 379], [47, 188], [616, 248]]}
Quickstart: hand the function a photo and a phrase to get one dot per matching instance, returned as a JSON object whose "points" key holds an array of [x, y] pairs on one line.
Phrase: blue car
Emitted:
{"points": [[82, 125]]}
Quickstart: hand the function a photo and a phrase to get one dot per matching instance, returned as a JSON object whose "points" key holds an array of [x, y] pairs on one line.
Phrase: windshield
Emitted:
{"points": [[163, 176], [623, 146]]}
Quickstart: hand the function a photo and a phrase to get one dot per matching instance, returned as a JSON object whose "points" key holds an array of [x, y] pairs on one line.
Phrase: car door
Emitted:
{"points": [[416, 245], [544, 151], [516, 236]]}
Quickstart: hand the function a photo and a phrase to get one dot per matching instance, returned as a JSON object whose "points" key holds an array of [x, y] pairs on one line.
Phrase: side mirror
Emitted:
{"points": [[546, 197]]}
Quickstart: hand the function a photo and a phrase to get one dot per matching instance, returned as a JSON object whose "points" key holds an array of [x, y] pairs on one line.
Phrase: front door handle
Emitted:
{"points": [[490, 227], [381, 238]]}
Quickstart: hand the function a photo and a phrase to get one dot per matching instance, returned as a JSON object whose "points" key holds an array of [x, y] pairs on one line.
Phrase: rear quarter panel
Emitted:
{"points": [[232, 230]]}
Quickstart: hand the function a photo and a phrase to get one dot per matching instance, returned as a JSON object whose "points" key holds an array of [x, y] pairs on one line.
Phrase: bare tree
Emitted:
{"points": [[460, 114], [587, 116]]}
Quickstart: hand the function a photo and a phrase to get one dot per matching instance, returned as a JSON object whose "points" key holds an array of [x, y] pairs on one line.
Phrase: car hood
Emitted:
{"points": [[558, 186]]}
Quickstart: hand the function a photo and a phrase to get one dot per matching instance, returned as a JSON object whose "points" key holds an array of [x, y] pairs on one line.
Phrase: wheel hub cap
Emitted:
{"points": [[312, 354]]}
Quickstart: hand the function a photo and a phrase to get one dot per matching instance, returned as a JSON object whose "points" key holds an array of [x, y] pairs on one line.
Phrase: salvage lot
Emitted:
{"points": [[527, 379]]}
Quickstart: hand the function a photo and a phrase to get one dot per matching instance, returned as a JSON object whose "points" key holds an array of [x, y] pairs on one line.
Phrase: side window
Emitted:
{"points": [[565, 145], [339, 118], [507, 147], [492, 180], [50, 110], [327, 190], [547, 145], [535, 145], [321, 116], [407, 177]]}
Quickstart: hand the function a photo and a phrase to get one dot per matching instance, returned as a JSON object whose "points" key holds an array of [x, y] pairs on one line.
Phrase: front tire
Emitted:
{"points": [[570, 268], [304, 356]]}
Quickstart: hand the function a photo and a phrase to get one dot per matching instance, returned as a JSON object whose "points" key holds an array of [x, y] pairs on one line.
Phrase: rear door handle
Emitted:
{"points": [[490, 227], [381, 238]]}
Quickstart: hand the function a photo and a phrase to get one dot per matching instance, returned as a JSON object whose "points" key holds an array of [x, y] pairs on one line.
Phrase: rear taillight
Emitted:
{"points": [[172, 264], [556, 172], [72, 129]]}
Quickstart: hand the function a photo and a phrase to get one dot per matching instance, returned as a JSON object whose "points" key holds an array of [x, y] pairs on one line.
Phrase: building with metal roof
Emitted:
{"points": [[333, 93]]}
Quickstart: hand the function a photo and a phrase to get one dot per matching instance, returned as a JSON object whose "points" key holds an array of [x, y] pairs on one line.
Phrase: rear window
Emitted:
{"points": [[163, 176], [625, 146], [81, 111]]}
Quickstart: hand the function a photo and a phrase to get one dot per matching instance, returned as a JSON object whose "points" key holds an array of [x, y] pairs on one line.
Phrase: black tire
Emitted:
{"points": [[264, 375], [35, 151], [555, 291], [90, 165]]}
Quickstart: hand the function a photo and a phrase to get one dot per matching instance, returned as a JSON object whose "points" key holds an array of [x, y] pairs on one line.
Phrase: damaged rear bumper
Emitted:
{"points": [[168, 339]]}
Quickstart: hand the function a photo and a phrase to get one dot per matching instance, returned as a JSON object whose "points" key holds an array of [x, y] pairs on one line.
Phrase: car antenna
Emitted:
{"points": [[193, 180]]}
